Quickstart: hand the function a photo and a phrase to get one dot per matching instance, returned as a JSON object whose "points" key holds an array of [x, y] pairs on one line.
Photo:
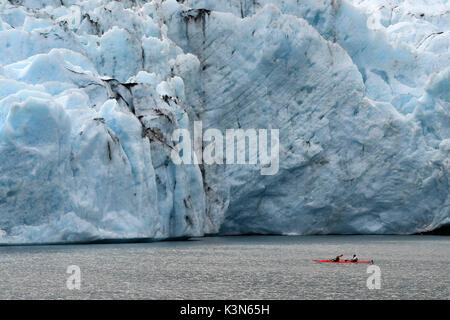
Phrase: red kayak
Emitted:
{"points": [[343, 261]]}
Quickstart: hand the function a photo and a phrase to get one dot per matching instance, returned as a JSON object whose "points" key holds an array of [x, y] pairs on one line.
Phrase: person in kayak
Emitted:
{"points": [[354, 259], [338, 258]]}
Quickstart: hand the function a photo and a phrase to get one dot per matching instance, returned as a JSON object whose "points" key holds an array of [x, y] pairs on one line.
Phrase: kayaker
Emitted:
{"points": [[355, 258], [338, 258]]}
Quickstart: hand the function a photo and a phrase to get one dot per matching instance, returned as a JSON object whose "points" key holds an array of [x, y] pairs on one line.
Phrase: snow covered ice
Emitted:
{"points": [[91, 92]]}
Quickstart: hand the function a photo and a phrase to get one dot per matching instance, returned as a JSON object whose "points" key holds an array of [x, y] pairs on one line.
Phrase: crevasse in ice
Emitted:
{"points": [[91, 92]]}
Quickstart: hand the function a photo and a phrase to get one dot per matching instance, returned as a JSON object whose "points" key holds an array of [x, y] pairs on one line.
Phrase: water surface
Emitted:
{"points": [[257, 267]]}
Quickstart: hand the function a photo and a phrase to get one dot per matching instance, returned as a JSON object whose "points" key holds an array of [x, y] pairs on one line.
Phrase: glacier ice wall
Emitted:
{"points": [[91, 92]]}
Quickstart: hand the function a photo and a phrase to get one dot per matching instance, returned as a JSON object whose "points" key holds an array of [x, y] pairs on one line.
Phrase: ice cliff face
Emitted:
{"points": [[91, 92]]}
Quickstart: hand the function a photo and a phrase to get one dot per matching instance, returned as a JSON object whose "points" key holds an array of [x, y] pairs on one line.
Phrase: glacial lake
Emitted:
{"points": [[241, 267]]}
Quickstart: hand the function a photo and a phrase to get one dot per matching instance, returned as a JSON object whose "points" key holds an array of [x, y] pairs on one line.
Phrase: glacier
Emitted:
{"points": [[92, 91]]}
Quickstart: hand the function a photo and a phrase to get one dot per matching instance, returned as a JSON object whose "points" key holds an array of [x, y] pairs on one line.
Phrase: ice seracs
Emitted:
{"points": [[91, 93]]}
